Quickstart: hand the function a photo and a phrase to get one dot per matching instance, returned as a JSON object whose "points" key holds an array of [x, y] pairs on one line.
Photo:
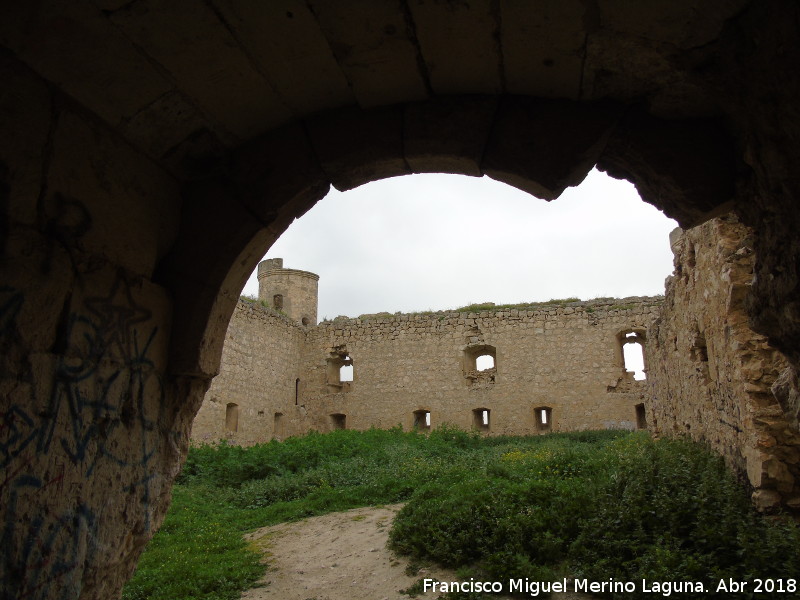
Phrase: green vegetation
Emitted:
{"points": [[388, 315], [521, 305], [590, 504], [481, 306], [492, 307], [634, 509], [254, 300], [620, 307]]}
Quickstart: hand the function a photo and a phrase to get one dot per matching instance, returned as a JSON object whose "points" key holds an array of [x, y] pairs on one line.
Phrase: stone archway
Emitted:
{"points": [[541, 146], [145, 166]]}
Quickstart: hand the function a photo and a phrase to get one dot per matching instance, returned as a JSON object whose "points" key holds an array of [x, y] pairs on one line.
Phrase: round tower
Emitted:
{"points": [[290, 291]]}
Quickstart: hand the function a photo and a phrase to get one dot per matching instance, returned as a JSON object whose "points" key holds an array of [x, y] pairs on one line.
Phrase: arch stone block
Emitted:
{"points": [[448, 135], [544, 146], [356, 146]]}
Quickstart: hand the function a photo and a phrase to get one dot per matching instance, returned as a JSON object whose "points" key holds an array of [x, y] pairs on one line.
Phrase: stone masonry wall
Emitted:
{"points": [[93, 428], [711, 375], [565, 358], [261, 364], [298, 290]]}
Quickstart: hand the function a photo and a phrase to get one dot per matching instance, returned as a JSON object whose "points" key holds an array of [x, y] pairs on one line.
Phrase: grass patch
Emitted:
{"points": [[491, 306], [250, 299], [632, 510], [591, 504], [197, 553]]}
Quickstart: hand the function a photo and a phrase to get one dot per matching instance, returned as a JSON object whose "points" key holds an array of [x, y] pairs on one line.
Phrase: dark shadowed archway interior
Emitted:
{"points": [[152, 151]]}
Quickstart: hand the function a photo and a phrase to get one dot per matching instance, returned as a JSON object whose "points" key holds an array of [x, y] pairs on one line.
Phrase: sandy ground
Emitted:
{"points": [[339, 556]]}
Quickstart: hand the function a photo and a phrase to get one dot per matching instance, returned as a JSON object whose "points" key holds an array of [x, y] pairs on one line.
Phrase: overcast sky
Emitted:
{"points": [[435, 242]]}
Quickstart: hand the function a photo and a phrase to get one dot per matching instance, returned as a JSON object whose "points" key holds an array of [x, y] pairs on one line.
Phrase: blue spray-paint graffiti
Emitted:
{"points": [[54, 549], [105, 388]]}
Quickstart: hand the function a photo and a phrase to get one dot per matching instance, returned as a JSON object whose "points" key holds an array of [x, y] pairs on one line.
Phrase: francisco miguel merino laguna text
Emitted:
{"points": [[664, 588]]}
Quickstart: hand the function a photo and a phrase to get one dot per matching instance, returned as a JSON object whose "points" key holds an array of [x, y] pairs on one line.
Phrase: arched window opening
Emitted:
{"points": [[480, 364], [232, 418], [338, 421], [277, 301], [340, 373], [422, 420], [346, 371], [641, 417], [632, 353], [544, 418], [481, 419], [484, 362], [278, 426], [634, 360]]}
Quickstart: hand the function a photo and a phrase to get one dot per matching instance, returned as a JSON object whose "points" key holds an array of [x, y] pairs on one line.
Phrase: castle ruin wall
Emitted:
{"points": [[552, 367], [254, 397], [712, 377], [565, 359], [420, 371]]}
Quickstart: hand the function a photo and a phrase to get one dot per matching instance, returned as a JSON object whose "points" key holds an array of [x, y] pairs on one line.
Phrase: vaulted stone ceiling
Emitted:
{"points": [[702, 93], [188, 79]]}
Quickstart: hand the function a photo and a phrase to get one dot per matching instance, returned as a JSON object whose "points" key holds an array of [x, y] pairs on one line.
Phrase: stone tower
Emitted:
{"points": [[291, 291]]}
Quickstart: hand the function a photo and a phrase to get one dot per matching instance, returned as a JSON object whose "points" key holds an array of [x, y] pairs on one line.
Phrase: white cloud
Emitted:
{"points": [[441, 241]]}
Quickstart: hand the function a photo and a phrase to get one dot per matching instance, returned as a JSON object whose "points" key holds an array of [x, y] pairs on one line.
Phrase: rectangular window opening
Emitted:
{"points": [[339, 421], [481, 419], [232, 418], [422, 420], [641, 417], [544, 418]]}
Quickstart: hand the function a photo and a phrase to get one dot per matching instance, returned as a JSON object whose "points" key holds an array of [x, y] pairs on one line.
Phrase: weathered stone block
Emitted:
{"points": [[544, 146], [448, 135], [356, 146]]}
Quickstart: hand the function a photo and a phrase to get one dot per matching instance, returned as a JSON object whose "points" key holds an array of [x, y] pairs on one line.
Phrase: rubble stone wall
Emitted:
{"points": [[261, 365], [565, 358], [713, 378]]}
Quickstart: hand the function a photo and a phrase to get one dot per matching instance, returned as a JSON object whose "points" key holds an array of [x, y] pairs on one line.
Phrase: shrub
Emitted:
{"points": [[591, 504], [627, 508]]}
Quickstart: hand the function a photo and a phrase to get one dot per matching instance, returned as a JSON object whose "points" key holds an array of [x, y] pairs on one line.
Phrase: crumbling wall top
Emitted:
{"points": [[508, 310]]}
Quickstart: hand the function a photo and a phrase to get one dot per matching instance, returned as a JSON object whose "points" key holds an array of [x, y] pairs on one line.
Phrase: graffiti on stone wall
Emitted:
{"points": [[97, 414], [56, 545]]}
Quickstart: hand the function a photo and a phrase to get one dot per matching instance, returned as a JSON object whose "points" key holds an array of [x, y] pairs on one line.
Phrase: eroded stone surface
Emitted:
{"points": [[712, 377], [280, 378], [92, 428]]}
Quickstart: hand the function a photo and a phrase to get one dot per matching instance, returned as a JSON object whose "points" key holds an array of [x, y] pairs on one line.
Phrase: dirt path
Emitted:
{"points": [[339, 556]]}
